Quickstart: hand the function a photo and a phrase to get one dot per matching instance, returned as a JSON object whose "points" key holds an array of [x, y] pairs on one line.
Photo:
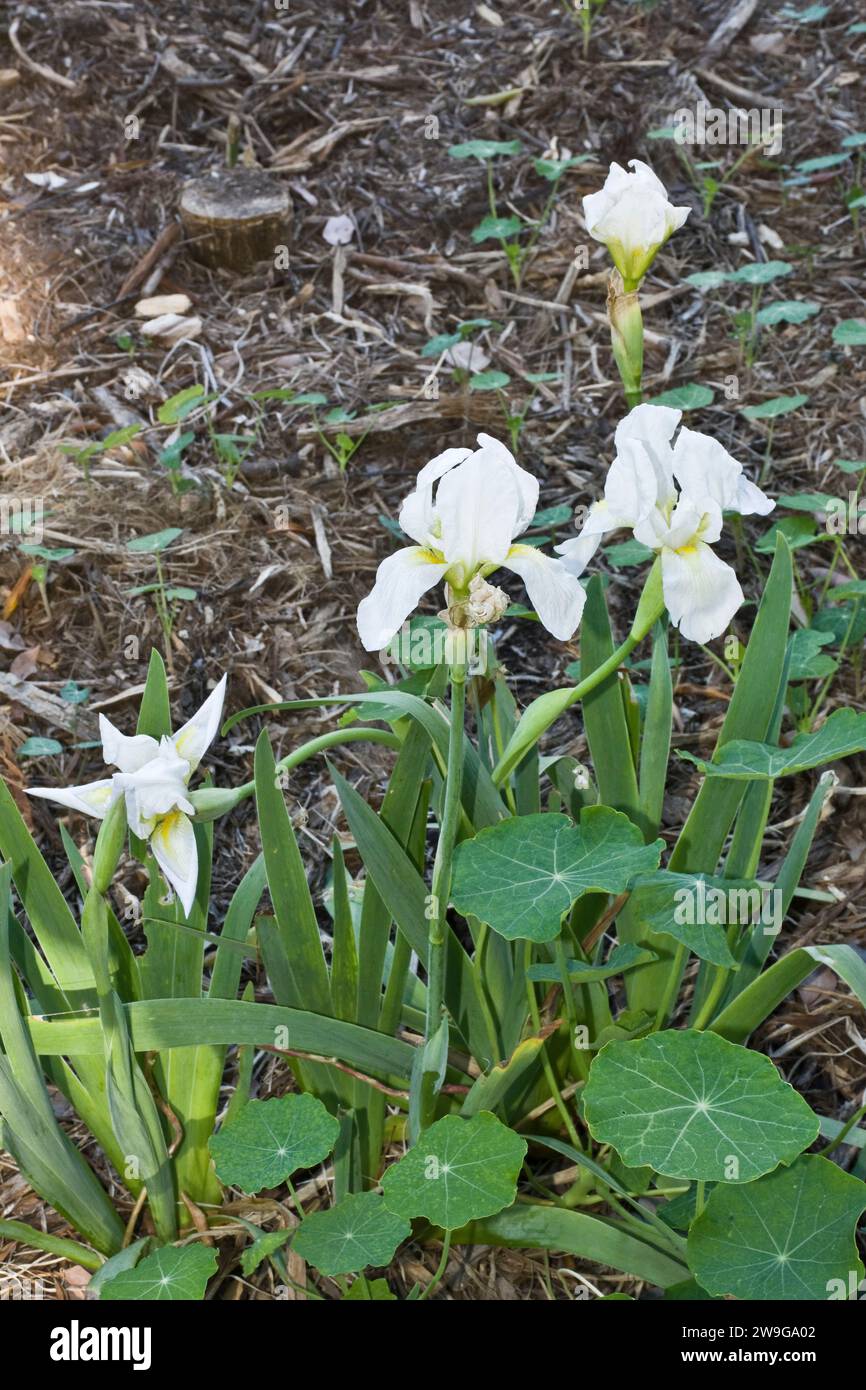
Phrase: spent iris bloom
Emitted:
{"points": [[631, 215], [464, 514], [673, 497], [152, 777]]}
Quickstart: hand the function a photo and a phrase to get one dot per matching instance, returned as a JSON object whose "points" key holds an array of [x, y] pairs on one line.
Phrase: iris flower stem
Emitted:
{"points": [[441, 882]]}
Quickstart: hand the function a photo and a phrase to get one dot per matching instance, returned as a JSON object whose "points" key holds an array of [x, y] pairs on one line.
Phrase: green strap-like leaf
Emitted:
{"points": [[157, 1024], [603, 714], [287, 881], [530, 1227]]}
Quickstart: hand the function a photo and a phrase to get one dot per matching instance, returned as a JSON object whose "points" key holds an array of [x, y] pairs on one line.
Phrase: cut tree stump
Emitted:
{"points": [[235, 217]]}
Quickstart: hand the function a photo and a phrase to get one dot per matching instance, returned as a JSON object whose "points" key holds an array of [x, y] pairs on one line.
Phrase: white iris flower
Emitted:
{"points": [[152, 776], [464, 514], [672, 497]]}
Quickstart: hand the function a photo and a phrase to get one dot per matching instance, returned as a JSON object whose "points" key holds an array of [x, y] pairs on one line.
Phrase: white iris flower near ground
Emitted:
{"points": [[467, 508], [673, 497], [632, 217], [152, 777]]}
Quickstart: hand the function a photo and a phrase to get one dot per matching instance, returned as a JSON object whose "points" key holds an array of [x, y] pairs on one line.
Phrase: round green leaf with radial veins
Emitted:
{"points": [[172, 1274], [692, 1105], [521, 875], [270, 1139], [359, 1231], [789, 1236], [459, 1170]]}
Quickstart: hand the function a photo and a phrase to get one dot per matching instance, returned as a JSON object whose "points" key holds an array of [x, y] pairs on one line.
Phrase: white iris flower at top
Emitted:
{"points": [[631, 215], [152, 777], [464, 514], [701, 592]]}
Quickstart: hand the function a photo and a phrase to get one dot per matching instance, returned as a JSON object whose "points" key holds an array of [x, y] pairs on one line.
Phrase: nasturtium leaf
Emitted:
{"points": [[693, 1105], [779, 405], [806, 501], [807, 661], [551, 516], [441, 343], [496, 228], [270, 1139], [798, 531], [489, 381], [310, 398], [622, 958], [761, 272], [850, 333], [365, 1290], [821, 161], [73, 693], [845, 622], [484, 149], [263, 1246], [459, 1170], [810, 15], [708, 279], [40, 748], [679, 1212], [625, 554], [553, 169], [690, 397], [47, 552], [687, 1291], [839, 736], [156, 541], [694, 909], [172, 1274], [521, 875], [790, 1236], [855, 588], [787, 311], [359, 1231]]}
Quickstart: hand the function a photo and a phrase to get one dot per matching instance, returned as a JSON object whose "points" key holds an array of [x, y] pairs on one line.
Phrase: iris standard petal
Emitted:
{"points": [[192, 741], [478, 504], [401, 580], [554, 592], [174, 849], [526, 483], [126, 753], [417, 512], [652, 427], [704, 468]]}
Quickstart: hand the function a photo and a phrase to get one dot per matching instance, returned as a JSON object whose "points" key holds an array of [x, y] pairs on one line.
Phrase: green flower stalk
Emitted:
{"points": [[626, 336]]}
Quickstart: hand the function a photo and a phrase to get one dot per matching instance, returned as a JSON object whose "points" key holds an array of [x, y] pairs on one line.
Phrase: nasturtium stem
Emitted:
{"points": [[440, 888], [546, 1065]]}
